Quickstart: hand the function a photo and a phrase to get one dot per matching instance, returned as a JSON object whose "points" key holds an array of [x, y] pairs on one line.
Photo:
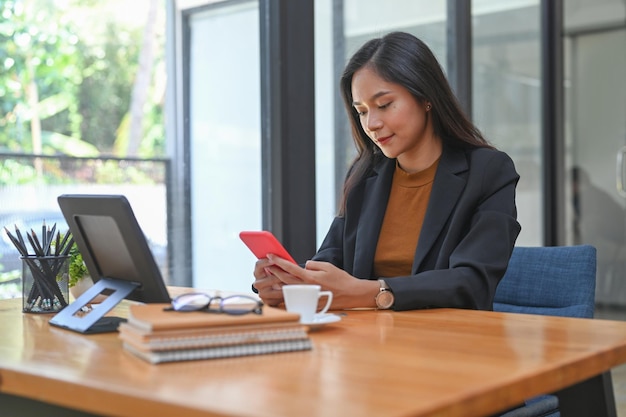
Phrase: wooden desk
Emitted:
{"points": [[372, 363]]}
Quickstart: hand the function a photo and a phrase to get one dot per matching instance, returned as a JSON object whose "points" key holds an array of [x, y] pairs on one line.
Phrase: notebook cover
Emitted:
{"points": [[153, 317], [146, 336]]}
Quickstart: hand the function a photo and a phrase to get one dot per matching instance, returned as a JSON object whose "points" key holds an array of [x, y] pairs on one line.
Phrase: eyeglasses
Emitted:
{"points": [[234, 304]]}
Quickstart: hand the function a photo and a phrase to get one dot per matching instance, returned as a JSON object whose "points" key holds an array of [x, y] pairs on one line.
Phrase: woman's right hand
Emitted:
{"points": [[269, 287]]}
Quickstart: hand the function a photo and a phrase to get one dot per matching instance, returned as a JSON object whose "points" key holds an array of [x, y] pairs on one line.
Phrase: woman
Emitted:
{"points": [[428, 216]]}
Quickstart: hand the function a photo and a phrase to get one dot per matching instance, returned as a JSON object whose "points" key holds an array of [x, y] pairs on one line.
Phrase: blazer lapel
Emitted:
{"points": [[447, 189], [376, 192]]}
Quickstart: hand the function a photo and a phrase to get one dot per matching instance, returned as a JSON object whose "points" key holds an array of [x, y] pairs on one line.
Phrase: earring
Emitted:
{"points": [[428, 106]]}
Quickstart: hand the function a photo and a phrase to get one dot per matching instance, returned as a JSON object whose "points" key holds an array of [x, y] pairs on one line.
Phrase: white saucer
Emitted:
{"points": [[322, 319]]}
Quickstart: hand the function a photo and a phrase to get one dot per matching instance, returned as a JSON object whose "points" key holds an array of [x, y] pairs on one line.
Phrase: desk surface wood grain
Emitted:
{"points": [[372, 363]]}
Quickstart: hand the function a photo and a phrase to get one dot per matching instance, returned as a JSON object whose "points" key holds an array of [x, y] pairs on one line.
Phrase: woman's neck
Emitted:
{"points": [[422, 157]]}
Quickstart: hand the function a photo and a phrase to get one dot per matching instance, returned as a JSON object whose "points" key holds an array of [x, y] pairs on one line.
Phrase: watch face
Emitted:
{"points": [[384, 299]]}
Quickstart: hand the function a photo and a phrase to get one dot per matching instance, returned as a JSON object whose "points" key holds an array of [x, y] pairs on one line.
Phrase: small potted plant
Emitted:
{"points": [[79, 279]]}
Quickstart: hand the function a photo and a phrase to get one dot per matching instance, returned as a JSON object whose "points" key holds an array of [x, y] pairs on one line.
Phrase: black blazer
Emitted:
{"points": [[466, 241]]}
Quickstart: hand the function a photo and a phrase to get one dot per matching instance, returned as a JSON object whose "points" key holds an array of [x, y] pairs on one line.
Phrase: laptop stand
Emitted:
{"points": [[81, 317]]}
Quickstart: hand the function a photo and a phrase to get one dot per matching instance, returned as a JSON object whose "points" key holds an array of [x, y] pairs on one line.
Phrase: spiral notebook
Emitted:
{"points": [[246, 349], [195, 340]]}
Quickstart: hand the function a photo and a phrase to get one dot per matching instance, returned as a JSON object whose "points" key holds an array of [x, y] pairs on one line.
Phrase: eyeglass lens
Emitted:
{"points": [[191, 302], [237, 304]]}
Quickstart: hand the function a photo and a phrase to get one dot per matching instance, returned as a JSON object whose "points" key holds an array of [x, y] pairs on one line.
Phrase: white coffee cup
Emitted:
{"points": [[303, 299]]}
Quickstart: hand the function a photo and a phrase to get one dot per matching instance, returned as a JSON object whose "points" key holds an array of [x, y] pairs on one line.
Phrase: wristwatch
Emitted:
{"points": [[384, 298]]}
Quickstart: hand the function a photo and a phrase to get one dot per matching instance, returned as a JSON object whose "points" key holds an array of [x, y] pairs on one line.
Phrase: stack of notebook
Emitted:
{"points": [[156, 335]]}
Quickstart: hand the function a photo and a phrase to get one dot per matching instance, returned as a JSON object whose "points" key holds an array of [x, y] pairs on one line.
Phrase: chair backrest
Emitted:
{"points": [[555, 281]]}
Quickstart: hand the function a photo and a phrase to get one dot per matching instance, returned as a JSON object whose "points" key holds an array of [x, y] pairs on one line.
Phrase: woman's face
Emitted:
{"points": [[395, 121]]}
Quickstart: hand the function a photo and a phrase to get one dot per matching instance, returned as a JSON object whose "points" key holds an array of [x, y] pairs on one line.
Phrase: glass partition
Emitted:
{"points": [[507, 97], [595, 127], [225, 142]]}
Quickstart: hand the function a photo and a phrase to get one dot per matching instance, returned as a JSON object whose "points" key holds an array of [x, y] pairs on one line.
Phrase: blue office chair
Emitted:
{"points": [[553, 281]]}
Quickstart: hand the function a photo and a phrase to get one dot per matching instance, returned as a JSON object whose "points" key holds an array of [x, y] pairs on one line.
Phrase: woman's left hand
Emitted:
{"points": [[348, 291]]}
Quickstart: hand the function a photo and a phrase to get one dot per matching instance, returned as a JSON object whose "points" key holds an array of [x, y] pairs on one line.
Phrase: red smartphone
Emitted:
{"points": [[263, 242]]}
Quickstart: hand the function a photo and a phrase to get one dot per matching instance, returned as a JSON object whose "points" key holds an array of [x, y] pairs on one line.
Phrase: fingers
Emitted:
{"points": [[270, 289], [315, 272], [260, 268], [284, 277], [272, 297], [285, 265], [269, 281], [316, 266]]}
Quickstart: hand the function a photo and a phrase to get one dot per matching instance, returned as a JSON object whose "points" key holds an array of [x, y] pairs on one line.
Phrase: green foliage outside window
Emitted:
{"points": [[70, 79]]}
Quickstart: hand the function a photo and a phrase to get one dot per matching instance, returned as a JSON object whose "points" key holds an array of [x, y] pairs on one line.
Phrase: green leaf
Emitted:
{"points": [[78, 269], [69, 145]]}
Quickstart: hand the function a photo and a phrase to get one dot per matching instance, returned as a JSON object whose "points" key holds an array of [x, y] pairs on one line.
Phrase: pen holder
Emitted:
{"points": [[45, 284]]}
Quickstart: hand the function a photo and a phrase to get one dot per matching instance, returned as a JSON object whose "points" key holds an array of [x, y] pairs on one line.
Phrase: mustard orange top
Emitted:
{"points": [[404, 216]]}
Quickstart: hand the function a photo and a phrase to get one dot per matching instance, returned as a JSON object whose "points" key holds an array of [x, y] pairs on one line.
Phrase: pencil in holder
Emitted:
{"points": [[45, 283]]}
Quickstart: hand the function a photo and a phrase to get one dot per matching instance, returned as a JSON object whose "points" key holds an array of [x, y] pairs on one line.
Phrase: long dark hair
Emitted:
{"points": [[403, 59]]}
